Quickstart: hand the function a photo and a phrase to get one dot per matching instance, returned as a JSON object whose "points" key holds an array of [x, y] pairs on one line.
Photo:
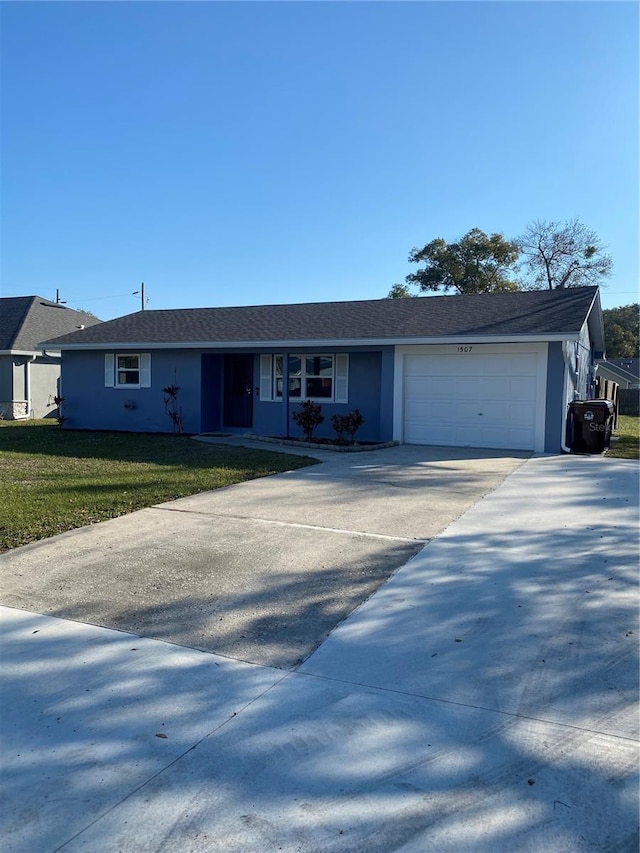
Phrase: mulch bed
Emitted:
{"points": [[325, 443]]}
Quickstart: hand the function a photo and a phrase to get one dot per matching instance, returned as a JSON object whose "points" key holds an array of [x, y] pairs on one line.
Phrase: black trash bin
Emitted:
{"points": [[590, 425]]}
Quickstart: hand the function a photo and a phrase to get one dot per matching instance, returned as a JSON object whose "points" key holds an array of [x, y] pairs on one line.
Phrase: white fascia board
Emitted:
{"points": [[31, 352], [596, 331], [327, 342]]}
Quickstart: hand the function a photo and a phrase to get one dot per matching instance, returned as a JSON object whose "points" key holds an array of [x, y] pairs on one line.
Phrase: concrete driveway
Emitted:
{"points": [[261, 571], [485, 699]]}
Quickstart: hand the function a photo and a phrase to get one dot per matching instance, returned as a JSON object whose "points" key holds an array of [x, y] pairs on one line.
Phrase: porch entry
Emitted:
{"points": [[237, 409]]}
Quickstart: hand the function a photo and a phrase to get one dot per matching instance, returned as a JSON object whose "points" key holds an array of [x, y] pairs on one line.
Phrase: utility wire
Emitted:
{"points": [[99, 298]]}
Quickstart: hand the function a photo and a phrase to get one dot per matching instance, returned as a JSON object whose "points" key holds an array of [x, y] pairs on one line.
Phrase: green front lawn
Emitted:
{"points": [[52, 480], [628, 434]]}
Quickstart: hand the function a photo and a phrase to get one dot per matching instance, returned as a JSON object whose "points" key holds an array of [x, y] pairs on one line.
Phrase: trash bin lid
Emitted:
{"points": [[607, 405]]}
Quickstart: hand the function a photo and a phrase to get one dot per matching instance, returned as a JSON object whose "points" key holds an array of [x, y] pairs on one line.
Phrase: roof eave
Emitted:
{"points": [[320, 342]]}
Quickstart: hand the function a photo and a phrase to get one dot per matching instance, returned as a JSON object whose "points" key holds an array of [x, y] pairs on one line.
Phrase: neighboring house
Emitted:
{"points": [[28, 375], [624, 371], [487, 370]]}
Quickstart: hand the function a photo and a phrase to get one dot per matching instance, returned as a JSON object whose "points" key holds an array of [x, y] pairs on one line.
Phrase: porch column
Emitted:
{"points": [[285, 394]]}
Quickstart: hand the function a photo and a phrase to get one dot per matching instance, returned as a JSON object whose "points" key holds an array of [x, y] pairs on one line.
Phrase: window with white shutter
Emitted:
{"points": [[127, 370], [266, 382], [145, 370], [342, 378], [109, 380], [322, 376]]}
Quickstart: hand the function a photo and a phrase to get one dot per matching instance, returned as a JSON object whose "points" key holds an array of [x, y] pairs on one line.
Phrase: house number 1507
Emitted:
{"points": [[465, 349]]}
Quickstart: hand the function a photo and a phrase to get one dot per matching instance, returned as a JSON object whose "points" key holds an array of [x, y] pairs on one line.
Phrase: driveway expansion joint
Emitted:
{"points": [[167, 766], [383, 536], [514, 714]]}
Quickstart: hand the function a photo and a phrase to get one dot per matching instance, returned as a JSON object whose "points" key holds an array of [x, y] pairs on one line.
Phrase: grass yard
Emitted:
{"points": [[628, 434], [55, 480]]}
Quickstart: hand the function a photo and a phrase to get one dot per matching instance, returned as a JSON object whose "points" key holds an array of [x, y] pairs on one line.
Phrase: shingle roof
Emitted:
{"points": [[619, 372], [534, 313], [628, 365], [27, 320]]}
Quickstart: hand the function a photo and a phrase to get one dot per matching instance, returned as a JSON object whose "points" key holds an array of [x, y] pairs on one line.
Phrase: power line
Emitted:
{"points": [[100, 298]]}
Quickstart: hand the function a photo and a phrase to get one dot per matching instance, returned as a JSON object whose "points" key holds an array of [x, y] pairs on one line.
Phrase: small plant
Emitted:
{"points": [[172, 407], [308, 418], [348, 424], [60, 417]]}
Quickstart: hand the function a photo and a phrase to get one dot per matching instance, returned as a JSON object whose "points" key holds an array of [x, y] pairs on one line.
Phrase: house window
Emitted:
{"points": [[127, 370], [311, 377], [318, 377]]}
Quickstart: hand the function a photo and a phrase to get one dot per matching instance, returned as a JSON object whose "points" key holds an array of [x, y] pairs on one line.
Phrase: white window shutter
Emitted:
{"points": [[265, 377], [145, 370], [109, 376], [341, 394]]}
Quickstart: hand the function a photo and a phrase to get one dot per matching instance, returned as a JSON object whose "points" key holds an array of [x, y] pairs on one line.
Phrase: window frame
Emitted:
{"points": [[112, 371], [304, 376], [118, 370], [268, 378]]}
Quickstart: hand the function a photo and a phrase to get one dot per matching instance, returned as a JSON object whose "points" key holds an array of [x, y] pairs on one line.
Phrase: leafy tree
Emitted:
{"points": [[561, 255], [400, 291], [477, 263], [622, 331]]}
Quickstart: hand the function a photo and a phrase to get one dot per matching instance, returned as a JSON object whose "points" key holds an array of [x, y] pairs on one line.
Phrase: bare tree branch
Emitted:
{"points": [[561, 255]]}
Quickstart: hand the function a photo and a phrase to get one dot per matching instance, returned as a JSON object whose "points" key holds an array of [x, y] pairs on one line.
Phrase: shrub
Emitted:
{"points": [[349, 424], [60, 417], [308, 418], [172, 407]]}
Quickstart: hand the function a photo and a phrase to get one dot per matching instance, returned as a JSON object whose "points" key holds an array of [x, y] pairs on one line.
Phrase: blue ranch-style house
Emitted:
{"points": [[485, 370]]}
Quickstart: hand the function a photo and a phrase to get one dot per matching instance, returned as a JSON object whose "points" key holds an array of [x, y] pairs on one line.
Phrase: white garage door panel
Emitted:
{"points": [[522, 415], [522, 390], [418, 387], [463, 435], [481, 400]]}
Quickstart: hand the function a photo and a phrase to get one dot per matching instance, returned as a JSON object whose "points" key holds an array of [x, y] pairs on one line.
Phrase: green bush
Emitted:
{"points": [[308, 418], [348, 424]]}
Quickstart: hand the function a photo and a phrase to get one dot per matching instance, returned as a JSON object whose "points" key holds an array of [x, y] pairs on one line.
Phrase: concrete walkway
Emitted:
{"points": [[484, 699]]}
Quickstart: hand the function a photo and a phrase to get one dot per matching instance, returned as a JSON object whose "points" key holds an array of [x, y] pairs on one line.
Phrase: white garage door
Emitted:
{"points": [[471, 398]]}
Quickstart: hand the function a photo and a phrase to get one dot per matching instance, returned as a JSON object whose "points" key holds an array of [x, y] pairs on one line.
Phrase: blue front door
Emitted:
{"points": [[238, 391]]}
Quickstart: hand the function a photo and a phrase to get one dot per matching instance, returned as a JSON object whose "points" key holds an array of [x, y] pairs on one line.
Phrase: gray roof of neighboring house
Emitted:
{"points": [[629, 365], [27, 320], [615, 369], [521, 314]]}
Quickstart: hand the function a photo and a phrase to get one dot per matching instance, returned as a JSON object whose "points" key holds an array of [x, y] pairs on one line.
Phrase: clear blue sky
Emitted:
{"points": [[246, 153]]}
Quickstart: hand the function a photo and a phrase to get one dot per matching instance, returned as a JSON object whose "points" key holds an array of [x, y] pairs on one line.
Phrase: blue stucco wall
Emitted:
{"points": [[585, 370], [211, 392], [555, 411], [367, 383], [580, 376], [387, 375], [88, 404]]}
